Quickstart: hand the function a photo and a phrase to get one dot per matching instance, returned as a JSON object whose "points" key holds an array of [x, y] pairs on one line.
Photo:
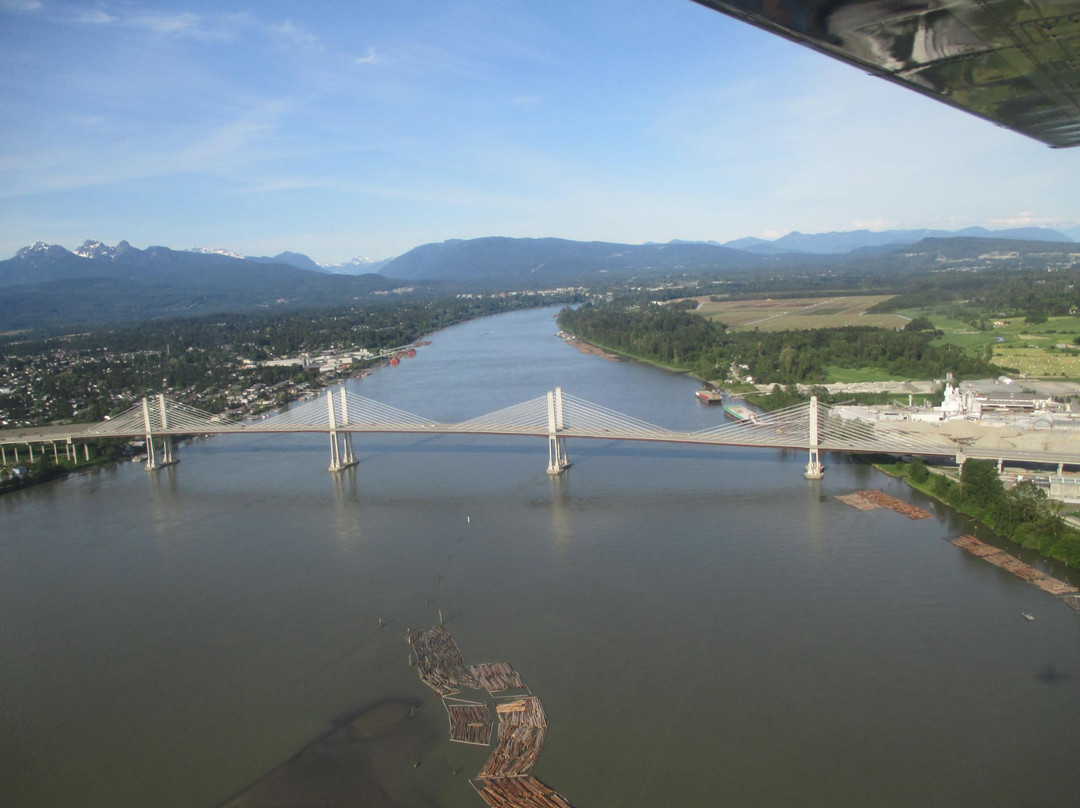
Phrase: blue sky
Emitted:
{"points": [[370, 127]]}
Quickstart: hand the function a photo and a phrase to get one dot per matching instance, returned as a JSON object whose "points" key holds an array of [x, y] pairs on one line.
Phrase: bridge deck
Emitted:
{"points": [[349, 414]]}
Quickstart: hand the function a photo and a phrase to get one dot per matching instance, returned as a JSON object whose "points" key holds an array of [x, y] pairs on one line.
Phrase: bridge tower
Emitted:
{"points": [[167, 458], [557, 459], [814, 469], [341, 454]]}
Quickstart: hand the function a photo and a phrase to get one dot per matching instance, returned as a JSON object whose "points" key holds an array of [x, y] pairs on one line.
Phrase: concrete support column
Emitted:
{"points": [[349, 459], [166, 440], [335, 457], [814, 469], [341, 454], [557, 459], [151, 452]]}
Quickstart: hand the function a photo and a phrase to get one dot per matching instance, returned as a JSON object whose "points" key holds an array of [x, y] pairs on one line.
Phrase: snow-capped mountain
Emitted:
{"points": [[98, 250], [216, 251], [357, 266]]}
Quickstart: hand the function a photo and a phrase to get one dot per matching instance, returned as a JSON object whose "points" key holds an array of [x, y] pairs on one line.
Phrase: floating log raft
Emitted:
{"points": [[858, 501], [470, 722], [1026, 572], [504, 782], [976, 547], [522, 726], [872, 499], [439, 662], [497, 677], [518, 792]]}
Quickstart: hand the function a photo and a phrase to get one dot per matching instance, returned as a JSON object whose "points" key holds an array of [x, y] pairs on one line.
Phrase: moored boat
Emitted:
{"points": [[709, 396], [736, 413]]}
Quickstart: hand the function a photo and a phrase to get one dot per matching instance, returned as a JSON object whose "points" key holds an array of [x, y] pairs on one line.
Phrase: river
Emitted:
{"points": [[703, 625]]}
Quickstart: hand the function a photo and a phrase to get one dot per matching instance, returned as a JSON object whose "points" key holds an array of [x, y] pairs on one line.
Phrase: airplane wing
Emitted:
{"points": [[1013, 62]]}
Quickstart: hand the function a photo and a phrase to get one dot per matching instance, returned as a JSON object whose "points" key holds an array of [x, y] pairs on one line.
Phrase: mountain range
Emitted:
{"points": [[357, 266], [850, 240], [48, 285]]}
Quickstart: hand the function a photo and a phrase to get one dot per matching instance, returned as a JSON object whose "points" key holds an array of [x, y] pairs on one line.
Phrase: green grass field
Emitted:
{"points": [[855, 375], [1030, 349]]}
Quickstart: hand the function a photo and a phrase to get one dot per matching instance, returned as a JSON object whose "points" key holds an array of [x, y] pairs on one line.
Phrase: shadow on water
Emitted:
{"points": [[337, 768], [1051, 675]]}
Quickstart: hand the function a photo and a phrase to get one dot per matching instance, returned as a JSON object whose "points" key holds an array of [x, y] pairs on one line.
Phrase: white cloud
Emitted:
{"points": [[167, 23], [367, 58], [528, 100], [20, 6], [95, 17], [876, 225], [1025, 219], [297, 34]]}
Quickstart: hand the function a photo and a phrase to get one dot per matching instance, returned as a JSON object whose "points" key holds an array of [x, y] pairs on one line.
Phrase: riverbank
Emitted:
{"points": [[1045, 531]]}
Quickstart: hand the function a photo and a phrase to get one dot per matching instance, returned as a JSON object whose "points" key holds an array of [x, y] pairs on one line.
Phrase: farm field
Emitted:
{"points": [[783, 314], [1028, 348]]}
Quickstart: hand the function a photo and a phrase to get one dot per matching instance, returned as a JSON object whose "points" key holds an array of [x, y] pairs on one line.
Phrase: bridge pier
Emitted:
{"points": [[558, 462], [814, 469], [167, 457], [341, 451]]}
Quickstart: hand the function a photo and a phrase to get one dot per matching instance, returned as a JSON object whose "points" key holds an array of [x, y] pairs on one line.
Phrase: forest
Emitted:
{"points": [[707, 349], [997, 293]]}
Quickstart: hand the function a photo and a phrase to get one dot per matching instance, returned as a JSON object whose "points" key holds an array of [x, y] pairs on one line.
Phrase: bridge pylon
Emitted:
{"points": [[814, 469], [167, 457], [341, 452], [558, 462]]}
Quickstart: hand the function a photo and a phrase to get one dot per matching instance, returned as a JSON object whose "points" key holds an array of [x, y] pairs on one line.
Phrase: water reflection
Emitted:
{"points": [[166, 510], [562, 528]]}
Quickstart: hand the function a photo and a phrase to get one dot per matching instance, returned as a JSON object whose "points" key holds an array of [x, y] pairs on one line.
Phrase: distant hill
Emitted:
{"points": [[547, 260], [47, 285], [292, 259], [961, 247], [850, 240]]}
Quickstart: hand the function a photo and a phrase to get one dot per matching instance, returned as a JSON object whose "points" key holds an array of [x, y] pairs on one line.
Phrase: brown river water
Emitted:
{"points": [[703, 625]]}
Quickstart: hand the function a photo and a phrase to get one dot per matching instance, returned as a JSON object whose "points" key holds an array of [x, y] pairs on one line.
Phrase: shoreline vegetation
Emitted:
{"points": [[1022, 514], [778, 397], [710, 351]]}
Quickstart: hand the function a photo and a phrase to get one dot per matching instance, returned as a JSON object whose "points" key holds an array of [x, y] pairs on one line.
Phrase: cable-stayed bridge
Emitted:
{"points": [[556, 417]]}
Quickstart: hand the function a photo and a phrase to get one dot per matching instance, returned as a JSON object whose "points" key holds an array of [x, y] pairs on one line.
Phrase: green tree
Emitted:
{"points": [[917, 470], [980, 484]]}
